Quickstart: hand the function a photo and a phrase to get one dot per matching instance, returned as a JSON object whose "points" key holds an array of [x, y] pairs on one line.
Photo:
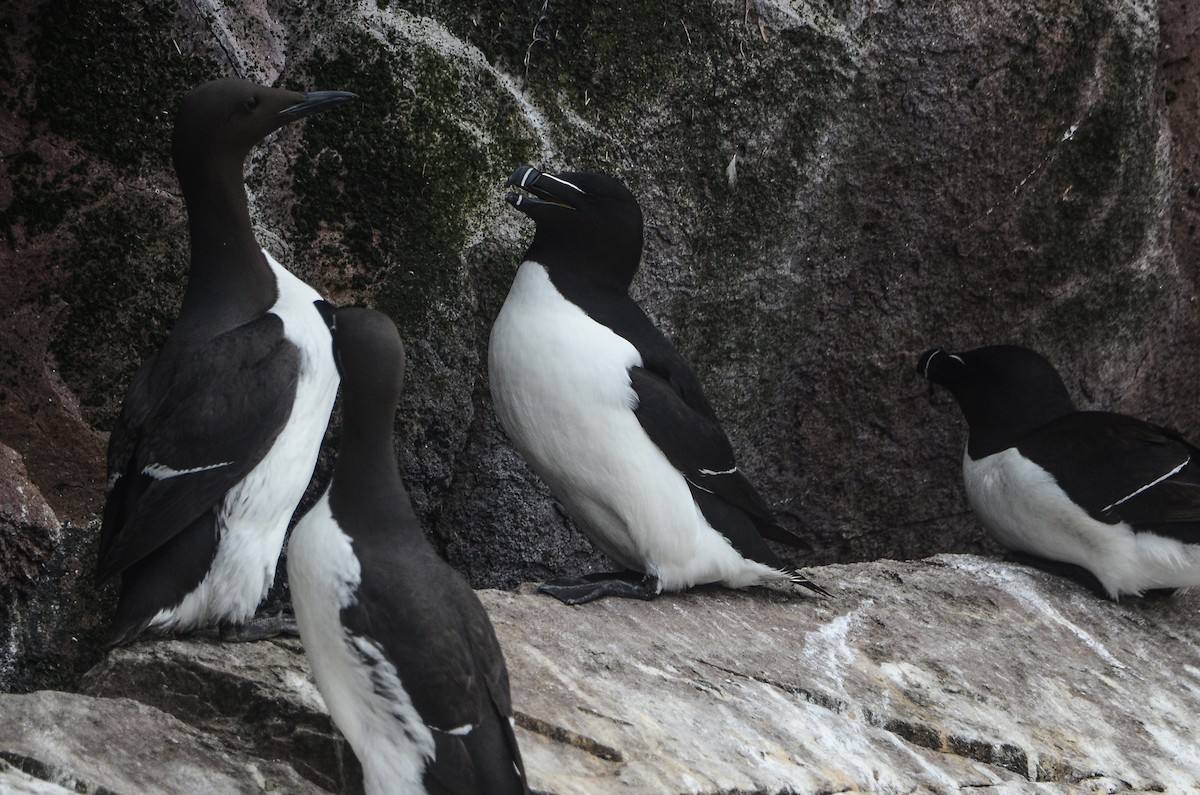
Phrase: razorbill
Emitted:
{"points": [[400, 646], [605, 410], [1114, 495], [219, 431]]}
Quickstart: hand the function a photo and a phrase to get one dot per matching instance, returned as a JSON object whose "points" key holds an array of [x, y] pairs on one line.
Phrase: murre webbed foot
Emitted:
{"points": [[261, 627], [581, 590]]}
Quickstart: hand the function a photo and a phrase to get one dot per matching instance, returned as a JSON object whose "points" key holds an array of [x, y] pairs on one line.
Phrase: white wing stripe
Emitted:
{"points": [[564, 182], [1150, 485], [161, 472]]}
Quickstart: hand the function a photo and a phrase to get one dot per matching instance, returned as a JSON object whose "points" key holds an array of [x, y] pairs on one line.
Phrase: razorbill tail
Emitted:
{"points": [[605, 410], [1114, 495], [219, 431], [400, 646]]}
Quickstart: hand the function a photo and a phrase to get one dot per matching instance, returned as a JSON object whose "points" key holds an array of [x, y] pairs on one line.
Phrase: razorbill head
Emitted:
{"points": [[1112, 494], [400, 647], [606, 411], [219, 431]]}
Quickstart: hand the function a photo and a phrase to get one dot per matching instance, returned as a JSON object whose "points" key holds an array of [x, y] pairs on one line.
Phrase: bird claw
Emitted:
{"points": [[581, 590]]}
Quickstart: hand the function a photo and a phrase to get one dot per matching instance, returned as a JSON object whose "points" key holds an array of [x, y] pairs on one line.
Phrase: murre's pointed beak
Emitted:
{"points": [[316, 102], [541, 190]]}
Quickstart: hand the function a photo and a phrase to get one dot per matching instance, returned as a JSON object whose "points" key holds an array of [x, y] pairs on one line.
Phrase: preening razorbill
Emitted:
{"points": [[1112, 494]]}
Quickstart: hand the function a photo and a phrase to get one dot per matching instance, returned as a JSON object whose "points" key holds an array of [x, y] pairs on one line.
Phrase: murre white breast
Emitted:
{"points": [[1114, 495], [400, 647], [219, 431], [609, 415], [252, 520]]}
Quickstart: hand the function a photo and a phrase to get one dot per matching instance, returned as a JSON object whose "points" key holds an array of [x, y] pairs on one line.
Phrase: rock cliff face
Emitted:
{"points": [[953, 674], [829, 187]]}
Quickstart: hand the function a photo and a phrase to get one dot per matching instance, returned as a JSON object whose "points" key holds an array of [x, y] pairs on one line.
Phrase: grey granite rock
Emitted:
{"points": [[29, 530], [15, 781], [939, 675], [30, 533], [61, 742], [51, 617], [829, 189], [952, 674], [257, 698]]}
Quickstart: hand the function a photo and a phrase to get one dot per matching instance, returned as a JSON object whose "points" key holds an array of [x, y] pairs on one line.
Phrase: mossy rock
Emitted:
{"points": [[829, 188]]}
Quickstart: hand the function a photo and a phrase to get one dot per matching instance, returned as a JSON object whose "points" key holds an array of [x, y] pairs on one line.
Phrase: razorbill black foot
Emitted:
{"points": [[400, 646], [1115, 495], [219, 431], [605, 410], [590, 587]]}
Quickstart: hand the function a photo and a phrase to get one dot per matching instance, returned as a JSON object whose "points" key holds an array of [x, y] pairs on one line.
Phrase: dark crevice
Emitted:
{"points": [[560, 734]]}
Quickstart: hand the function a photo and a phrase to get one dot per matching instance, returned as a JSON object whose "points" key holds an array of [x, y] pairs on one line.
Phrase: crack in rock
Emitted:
{"points": [[51, 774], [565, 736], [1008, 756]]}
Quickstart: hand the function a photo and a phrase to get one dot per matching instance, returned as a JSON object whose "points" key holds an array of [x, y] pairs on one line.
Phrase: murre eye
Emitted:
{"points": [[252, 102]]}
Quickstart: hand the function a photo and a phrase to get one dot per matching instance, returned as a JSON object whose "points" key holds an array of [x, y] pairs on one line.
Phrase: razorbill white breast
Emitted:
{"points": [[1112, 494], [606, 411], [219, 431], [400, 646]]}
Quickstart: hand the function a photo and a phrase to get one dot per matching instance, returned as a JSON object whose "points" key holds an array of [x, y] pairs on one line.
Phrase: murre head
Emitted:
{"points": [[589, 226], [224, 119], [1004, 391], [369, 354], [217, 125], [367, 493]]}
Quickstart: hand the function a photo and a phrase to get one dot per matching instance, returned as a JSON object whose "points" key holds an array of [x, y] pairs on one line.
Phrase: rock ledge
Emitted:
{"points": [[951, 673]]}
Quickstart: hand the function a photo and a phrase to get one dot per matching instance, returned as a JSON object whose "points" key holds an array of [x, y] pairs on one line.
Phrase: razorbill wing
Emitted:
{"points": [[606, 411], [219, 431], [1112, 494], [400, 647]]}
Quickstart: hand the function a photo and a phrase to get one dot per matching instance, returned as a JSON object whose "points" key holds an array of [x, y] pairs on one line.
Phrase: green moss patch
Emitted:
{"points": [[124, 278], [400, 174], [110, 75]]}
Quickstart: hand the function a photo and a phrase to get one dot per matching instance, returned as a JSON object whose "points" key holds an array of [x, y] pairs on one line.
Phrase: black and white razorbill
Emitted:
{"points": [[1114, 495], [219, 431], [606, 411], [399, 644]]}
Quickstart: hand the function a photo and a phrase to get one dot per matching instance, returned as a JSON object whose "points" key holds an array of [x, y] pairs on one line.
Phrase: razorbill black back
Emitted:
{"points": [[1112, 494], [400, 646], [219, 431], [609, 414]]}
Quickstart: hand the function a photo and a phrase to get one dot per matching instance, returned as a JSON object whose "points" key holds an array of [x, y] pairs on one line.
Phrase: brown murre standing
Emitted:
{"points": [[400, 646], [219, 431]]}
